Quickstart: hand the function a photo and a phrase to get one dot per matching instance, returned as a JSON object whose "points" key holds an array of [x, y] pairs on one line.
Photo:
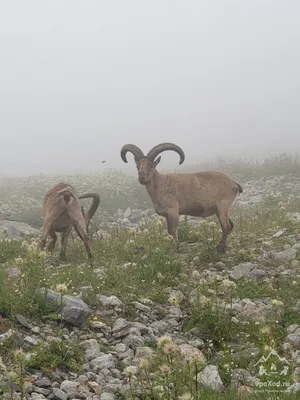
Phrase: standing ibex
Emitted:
{"points": [[200, 194], [62, 211]]}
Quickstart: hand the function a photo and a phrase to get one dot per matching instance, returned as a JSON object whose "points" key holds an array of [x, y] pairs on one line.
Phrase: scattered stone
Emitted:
{"points": [[191, 352], [107, 396], [6, 335], [69, 387], [43, 383], [23, 321], [92, 349], [242, 270], [210, 378], [59, 394], [30, 340], [127, 212], [13, 272], [74, 310], [14, 229], [111, 301], [285, 255], [106, 361], [141, 307], [37, 396], [279, 233]]}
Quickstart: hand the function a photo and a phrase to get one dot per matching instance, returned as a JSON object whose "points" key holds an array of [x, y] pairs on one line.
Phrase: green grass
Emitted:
{"points": [[138, 265]]}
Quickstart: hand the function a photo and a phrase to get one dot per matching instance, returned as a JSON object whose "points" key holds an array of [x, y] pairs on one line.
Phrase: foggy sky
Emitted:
{"points": [[79, 79]]}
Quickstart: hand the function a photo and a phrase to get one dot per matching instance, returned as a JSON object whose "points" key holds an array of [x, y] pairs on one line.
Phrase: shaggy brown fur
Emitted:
{"points": [[62, 211], [200, 194]]}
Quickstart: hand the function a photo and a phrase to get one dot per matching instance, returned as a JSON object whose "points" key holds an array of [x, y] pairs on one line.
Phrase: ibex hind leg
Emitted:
{"points": [[43, 241], [51, 245], [44, 236], [64, 240], [226, 226]]}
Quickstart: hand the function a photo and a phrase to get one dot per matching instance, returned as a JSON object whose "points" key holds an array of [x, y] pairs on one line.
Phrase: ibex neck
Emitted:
{"points": [[153, 186]]}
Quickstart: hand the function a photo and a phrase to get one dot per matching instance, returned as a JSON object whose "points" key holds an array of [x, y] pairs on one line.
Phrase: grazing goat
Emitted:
{"points": [[200, 194], [62, 211]]}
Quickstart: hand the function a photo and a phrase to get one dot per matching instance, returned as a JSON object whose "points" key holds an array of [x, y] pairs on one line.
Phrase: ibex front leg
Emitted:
{"points": [[172, 222]]}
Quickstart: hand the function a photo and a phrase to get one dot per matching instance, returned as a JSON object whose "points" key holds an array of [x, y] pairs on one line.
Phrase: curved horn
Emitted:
{"points": [[95, 204], [136, 151], [156, 150]]}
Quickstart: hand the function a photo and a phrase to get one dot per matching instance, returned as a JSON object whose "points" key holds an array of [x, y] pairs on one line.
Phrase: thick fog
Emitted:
{"points": [[79, 79]]}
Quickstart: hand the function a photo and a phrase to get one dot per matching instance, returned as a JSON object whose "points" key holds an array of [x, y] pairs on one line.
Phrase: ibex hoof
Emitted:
{"points": [[221, 248]]}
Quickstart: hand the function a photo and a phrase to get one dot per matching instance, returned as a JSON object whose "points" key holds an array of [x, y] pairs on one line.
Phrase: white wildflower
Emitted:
{"points": [[61, 287]]}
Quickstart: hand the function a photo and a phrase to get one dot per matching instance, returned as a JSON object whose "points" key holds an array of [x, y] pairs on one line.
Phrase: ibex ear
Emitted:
{"points": [[157, 161]]}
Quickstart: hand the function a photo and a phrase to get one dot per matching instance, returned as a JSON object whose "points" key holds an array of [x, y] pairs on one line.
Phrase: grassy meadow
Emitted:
{"points": [[135, 266]]}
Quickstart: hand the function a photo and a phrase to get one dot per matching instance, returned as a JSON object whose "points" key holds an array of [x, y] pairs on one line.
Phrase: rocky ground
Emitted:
{"points": [[149, 322]]}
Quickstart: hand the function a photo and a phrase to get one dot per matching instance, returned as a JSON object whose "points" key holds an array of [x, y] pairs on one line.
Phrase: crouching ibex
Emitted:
{"points": [[200, 194], [62, 210]]}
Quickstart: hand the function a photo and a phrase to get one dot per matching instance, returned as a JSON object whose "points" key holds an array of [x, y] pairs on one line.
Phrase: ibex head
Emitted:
{"points": [[147, 164]]}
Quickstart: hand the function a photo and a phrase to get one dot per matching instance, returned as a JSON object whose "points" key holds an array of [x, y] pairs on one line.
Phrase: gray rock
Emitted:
{"points": [[243, 377], [121, 328], [37, 396], [133, 341], [120, 348], [105, 361], [23, 321], [36, 330], [127, 212], [175, 312], [107, 396], [43, 383], [13, 272], [74, 311], [141, 307], [293, 339], [191, 352], [257, 273], [43, 391], [295, 388], [98, 325], [242, 270], [279, 233], [69, 387], [111, 301], [294, 328], [92, 349], [30, 340], [16, 229], [258, 312], [176, 295], [59, 394], [114, 385], [285, 255], [159, 327], [210, 378], [6, 335], [144, 352]]}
